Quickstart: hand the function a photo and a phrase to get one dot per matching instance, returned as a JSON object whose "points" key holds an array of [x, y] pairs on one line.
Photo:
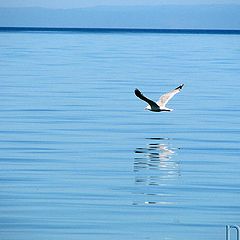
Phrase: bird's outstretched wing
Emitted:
{"points": [[149, 101], [166, 97]]}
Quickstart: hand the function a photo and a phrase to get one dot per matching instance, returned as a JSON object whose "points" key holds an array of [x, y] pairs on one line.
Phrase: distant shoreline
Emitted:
{"points": [[119, 30]]}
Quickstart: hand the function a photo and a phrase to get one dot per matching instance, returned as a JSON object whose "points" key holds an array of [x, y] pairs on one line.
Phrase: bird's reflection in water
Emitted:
{"points": [[155, 168]]}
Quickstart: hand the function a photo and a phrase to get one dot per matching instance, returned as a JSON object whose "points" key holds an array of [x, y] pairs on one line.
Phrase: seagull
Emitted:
{"points": [[160, 105]]}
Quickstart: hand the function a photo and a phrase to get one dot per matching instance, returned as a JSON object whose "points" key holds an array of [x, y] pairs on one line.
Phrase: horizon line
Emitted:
{"points": [[130, 5]]}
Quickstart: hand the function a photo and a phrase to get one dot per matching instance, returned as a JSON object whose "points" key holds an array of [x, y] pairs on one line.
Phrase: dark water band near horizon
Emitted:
{"points": [[120, 30]]}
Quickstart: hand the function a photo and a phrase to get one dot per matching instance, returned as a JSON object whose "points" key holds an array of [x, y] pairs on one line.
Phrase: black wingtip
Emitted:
{"points": [[137, 92], [180, 87]]}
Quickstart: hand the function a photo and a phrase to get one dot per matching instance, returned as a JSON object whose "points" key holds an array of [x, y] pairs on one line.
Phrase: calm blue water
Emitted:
{"points": [[81, 159]]}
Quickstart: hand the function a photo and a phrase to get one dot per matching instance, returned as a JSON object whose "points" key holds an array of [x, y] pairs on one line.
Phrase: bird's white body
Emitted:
{"points": [[160, 105]]}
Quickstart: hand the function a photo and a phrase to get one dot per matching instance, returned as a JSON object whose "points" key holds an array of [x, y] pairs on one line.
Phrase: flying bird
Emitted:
{"points": [[160, 105]]}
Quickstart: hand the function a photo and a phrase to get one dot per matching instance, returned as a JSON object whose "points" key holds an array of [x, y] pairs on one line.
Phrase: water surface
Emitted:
{"points": [[81, 159]]}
